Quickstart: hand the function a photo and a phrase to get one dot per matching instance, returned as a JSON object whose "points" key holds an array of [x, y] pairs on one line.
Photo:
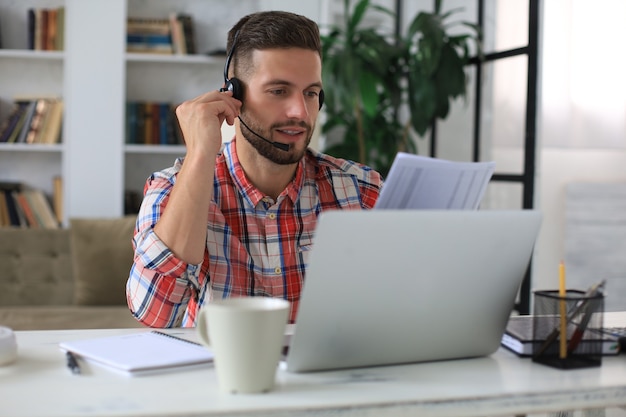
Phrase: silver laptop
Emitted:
{"points": [[388, 287]]}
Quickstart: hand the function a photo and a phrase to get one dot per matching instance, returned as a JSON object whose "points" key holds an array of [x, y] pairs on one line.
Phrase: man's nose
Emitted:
{"points": [[297, 107]]}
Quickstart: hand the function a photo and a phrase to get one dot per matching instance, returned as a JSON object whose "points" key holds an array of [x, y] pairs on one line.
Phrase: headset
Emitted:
{"points": [[235, 86]]}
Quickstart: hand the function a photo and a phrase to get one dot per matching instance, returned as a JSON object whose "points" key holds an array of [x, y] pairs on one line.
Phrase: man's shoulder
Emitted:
{"points": [[169, 174], [326, 165]]}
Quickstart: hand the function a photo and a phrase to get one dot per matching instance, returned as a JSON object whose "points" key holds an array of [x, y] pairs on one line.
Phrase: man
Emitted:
{"points": [[239, 222]]}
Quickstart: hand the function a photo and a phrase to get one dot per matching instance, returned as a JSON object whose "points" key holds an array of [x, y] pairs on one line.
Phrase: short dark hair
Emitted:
{"points": [[271, 30]]}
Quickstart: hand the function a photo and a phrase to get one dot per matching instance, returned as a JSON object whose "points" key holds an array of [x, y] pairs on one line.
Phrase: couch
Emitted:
{"points": [[70, 278]]}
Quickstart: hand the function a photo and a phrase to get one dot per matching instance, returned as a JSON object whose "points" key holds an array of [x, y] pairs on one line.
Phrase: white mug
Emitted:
{"points": [[246, 335]]}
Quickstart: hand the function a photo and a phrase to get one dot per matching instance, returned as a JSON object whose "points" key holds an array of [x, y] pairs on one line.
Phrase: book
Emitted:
{"points": [[189, 33], [41, 208], [13, 124], [151, 123], [37, 121], [144, 35], [4, 212], [30, 112], [178, 36], [57, 197], [31, 18], [23, 122], [140, 353], [51, 129], [140, 25], [21, 214], [149, 43], [42, 16], [11, 211], [59, 42], [52, 30], [419, 182], [148, 123], [164, 121], [38, 31], [11, 204], [29, 214], [518, 338], [46, 28]]}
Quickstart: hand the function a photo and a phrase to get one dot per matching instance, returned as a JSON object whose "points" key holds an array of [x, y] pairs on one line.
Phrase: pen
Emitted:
{"points": [[562, 313], [72, 363], [588, 312]]}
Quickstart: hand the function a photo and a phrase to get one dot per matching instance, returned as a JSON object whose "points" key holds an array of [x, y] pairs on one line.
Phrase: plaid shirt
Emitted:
{"points": [[255, 246]]}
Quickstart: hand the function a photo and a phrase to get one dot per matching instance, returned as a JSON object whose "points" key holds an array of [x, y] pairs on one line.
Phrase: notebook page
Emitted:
{"points": [[139, 352]]}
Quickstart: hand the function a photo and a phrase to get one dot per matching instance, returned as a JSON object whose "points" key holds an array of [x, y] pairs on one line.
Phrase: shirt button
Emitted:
{"points": [[272, 216], [277, 270]]}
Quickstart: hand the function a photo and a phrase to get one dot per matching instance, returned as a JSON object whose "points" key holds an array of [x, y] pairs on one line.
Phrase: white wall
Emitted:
{"points": [[583, 118], [557, 168]]}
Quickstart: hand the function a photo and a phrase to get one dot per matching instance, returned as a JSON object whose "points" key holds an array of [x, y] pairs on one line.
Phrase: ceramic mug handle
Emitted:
{"points": [[201, 327]]}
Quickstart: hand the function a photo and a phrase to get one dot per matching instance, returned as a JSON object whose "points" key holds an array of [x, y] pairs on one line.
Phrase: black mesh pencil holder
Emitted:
{"points": [[577, 318]]}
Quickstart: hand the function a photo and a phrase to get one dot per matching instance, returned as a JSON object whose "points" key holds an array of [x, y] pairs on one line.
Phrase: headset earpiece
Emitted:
{"points": [[234, 85], [321, 98]]}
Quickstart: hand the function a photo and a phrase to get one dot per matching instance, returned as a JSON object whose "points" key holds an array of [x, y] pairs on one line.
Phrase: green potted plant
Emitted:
{"points": [[383, 91]]}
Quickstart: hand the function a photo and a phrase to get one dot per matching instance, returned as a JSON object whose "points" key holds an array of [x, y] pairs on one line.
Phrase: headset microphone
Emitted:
{"points": [[281, 146], [236, 87]]}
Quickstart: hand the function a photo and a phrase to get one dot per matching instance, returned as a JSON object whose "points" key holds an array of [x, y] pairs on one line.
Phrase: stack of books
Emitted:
{"points": [[152, 123], [33, 120], [173, 35], [46, 28], [25, 207]]}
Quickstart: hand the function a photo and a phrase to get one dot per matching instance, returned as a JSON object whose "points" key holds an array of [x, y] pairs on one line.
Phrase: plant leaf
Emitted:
{"points": [[357, 15], [369, 96]]}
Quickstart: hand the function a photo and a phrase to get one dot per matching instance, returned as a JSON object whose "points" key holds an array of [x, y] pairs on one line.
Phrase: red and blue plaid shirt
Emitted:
{"points": [[255, 246]]}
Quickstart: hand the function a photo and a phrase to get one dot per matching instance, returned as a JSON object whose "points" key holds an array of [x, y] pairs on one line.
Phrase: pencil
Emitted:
{"points": [[562, 312]]}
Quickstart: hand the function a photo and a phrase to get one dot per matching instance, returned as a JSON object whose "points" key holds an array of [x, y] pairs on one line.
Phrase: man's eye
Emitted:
{"points": [[312, 93], [277, 92]]}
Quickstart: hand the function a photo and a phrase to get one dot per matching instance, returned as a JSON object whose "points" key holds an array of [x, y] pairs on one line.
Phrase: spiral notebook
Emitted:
{"points": [[140, 353]]}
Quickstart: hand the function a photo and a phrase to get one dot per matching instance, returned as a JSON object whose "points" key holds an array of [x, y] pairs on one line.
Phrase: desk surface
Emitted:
{"points": [[39, 384]]}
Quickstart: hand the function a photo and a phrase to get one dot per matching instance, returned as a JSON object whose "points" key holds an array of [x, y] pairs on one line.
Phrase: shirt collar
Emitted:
{"points": [[252, 194]]}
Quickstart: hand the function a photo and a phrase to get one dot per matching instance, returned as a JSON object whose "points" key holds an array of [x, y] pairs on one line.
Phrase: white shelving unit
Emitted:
{"points": [[27, 73], [95, 77]]}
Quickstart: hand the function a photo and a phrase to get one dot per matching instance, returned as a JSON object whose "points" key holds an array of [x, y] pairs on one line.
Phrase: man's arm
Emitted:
{"points": [[170, 242], [183, 224], [160, 285]]}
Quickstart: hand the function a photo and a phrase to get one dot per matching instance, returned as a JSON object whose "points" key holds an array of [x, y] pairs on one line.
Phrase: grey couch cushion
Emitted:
{"points": [[35, 267], [102, 255]]}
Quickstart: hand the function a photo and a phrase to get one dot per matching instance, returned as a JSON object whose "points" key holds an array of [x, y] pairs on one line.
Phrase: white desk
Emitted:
{"points": [[39, 384]]}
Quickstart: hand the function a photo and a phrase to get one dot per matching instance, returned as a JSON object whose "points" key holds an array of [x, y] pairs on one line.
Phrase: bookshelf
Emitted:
{"points": [[40, 73], [96, 76]]}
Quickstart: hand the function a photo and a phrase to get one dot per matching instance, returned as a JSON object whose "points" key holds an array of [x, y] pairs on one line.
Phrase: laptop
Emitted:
{"points": [[402, 286]]}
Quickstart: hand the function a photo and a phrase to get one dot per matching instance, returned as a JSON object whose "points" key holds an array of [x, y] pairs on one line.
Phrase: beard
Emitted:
{"points": [[269, 151]]}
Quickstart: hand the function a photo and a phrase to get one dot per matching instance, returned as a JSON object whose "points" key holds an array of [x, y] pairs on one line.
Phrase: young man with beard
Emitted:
{"points": [[240, 221]]}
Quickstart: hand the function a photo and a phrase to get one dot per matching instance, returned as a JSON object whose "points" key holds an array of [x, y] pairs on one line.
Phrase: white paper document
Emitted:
{"points": [[420, 182]]}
